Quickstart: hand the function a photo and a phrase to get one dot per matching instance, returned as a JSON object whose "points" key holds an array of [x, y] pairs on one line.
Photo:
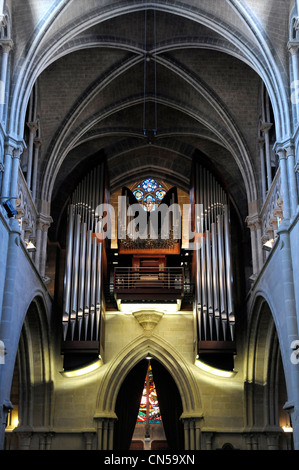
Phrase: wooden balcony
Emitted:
{"points": [[148, 283]]}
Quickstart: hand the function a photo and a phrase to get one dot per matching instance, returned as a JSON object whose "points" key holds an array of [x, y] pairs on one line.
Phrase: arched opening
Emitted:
{"points": [[127, 407], [266, 386], [31, 385]]}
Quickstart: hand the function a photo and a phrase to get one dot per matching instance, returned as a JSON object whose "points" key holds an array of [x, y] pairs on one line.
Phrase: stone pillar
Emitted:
{"points": [[15, 172], [192, 432], [291, 323], [273, 441], [37, 144], [284, 183], [265, 127], [25, 440], [33, 126], [263, 172], [293, 47], [5, 190], [209, 440], [42, 226], [105, 432], [254, 224], [290, 153], [6, 47], [7, 315], [253, 249], [88, 440]]}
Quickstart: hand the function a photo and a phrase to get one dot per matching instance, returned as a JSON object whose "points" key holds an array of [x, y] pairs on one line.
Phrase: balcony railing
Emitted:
{"points": [[138, 283]]}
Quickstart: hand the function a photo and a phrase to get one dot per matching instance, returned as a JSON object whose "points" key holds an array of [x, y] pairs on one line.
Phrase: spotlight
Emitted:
{"points": [[9, 208], [30, 247]]}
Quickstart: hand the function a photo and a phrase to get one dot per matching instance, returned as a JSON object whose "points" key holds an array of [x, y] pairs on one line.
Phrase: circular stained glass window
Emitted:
{"points": [[160, 194], [138, 194], [149, 193], [149, 185]]}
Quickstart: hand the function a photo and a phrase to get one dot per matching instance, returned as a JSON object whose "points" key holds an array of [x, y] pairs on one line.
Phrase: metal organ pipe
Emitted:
{"points": [[231, 315], [75, 275], [68, 272], [87, 283], [83, 279], [214, 296]]}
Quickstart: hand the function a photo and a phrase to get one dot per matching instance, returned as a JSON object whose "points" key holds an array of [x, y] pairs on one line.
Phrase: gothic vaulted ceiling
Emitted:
{"points": [[148, 85]]}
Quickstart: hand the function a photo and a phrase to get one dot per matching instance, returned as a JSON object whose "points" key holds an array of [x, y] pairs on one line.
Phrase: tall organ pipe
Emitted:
{"points": [[75, 275], [215, 278], [87, 283], [93, 286], [68, 272], [82, 278], [222, 275], [231, 315]]}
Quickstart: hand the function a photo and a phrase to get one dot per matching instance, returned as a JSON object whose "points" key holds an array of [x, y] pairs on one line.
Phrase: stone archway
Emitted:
{"points": [[177, 367], [31, 390], [265, 386]]}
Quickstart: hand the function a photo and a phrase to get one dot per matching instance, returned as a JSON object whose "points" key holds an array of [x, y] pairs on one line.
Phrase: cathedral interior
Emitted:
{"points": [[149, 225]]}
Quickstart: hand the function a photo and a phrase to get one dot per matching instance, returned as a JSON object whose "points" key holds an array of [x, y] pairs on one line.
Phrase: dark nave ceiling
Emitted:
{"points": [[92, 101]]}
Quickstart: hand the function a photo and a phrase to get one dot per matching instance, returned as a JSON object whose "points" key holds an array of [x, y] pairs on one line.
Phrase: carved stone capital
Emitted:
{"points": [[43, 222], [37, 142], [33, 126], [7, 45], [3, 21], [266, 126], [148, 319], [253, 222], [293, 47]]}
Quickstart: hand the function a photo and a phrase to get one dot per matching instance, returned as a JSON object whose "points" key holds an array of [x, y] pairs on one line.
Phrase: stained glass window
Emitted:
{"points": [[149, 185], [138, 194], [149, 411], [149, 193]]}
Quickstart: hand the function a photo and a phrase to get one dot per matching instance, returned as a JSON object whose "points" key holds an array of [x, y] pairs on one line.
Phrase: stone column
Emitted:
{"points": [[7, 315], [273, 441], [209, 440], [291, 322], [5, 190], [105, 432], [88, 440], [6, 47], [265, 127], [42, 225], [33, 126], [25, 440], [15, 172], [37, 144], [290, 153], [284, 183], [192, 432], [256, 243], [293, 47], [263, 173]]}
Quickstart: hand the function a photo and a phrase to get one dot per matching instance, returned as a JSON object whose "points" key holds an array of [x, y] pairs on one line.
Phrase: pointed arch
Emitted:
{"points": [[265, 380], [134, 353], [33, 363]]}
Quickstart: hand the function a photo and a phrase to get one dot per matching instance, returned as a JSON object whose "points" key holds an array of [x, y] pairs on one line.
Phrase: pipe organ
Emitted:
{"points": [[83, 277], [213, 268]]}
